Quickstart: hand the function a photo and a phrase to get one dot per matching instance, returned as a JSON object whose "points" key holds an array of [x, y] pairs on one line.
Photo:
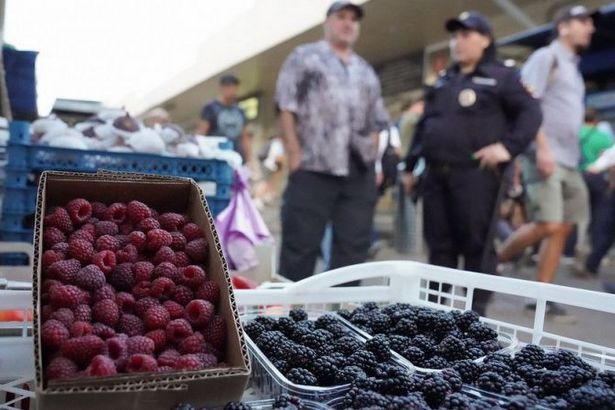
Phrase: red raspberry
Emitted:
{"points": [[81, 234], [65, 270], [209, 360], [49, 283], [60, 247], [164, 369], [79, 210], [59, 219], [189, 362], [93, 221], [105, 260], [145, 304], [50, 257], [61, 368], [155, 213], [192, 276], [46, 312], [178, 329], [192, 344], [142, 289], [116, 213], [162, 288], [168, 357], [123, 239], [82, 349], [142, 271], [131, 325], [176, 311], [139, 363], [128, 254], [121, 278], [138, 239], [137, 211], [179, 241], [140, 344], [183, 295], [126, 228], [103, 331], [199, 312], [90, 278], [107, 243], [54, 334], [125, 301], [89, 228], [159, 337], [83, 313], [81, 250], [164, 254], [117, 348], [171, 221], [147, 225], [215, 332], [157, 238], [65, 316], [105, 228], [192, 231], [156, 317], [98, 210], [101, 366], [106, 291], [52, 236], [166, 270], [106, 312], [181, 259], [65, 296], [197, 249], [209, 291], [78, 329]]}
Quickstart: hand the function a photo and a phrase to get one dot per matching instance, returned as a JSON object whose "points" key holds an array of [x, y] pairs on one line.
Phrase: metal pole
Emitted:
{"points": [[515, 12], [4, 95]]}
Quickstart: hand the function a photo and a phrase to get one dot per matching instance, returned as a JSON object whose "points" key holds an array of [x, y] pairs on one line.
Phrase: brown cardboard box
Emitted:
{"points": [[151, 391]]}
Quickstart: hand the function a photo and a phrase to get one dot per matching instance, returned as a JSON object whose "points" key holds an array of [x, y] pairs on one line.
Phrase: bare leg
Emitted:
{"points": [[527, 235], [550, 253]]}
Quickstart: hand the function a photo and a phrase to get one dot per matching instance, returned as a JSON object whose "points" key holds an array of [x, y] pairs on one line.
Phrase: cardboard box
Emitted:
{"points": [[151, 391]]}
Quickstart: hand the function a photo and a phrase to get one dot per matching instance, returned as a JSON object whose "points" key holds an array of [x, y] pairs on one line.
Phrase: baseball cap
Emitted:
{"points": [[228, 79], [573, 12], [469, 20], [340, 5]]}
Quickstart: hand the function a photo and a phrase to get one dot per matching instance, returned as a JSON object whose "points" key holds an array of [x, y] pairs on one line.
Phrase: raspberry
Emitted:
{"points": [[155, 213], [49, 283], [137, 211], [60, 247], [159, 336], [179, 241], [65, 296], [116, 213], [117, 348], [83, 313], [65, 270], [47, 310], [98, 210], [122, 278], [199, 312], [52, 236], [192, 344], [125, 301], [101, 366], [168, 358], [208, 360], [81, 250], [164, 369], [183, 295], [82, 349], [89, 228], [107, 243], [54, 334], [171, 221], [61, 368], [176, 311], [142, 271], [215, 332], [164, 254], [147, 225], [162, 288], [79, 328], [103, 331], [178, 329], [140, 344], [81, 234], [166, 270], [130, 325], [79, 210], [157, 238], [128, 254], [181, 259], [106, 312], [138, 363], [189, 362], [209, 291], [59, 219], [105, 292], [197, 249], [156, 317], [90, 278], [192, 231], [192, 276], [65, 316], [145, 304], [50, 257], [138, 239], [105, 261], [126, 228], [142, 289]]}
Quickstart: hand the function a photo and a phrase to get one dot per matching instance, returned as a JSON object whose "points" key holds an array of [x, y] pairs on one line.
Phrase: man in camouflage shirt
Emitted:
{"points": [[331, 111]]}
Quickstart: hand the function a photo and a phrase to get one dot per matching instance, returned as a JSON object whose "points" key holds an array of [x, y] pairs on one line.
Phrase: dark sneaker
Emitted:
{"points": [[557, 314]]}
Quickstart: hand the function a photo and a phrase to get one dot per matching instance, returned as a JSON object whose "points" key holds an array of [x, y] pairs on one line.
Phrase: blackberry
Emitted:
{"points": [[365, 399], [359, 319], [519, 402], [555, 382], [481, 332], [608, 377], [325, 368], [425, 343], [491, 381], [253, 329], [498, 367], [400, 384], [365, 359], [465, 319], [267, 322], [426, 319], [298, 314], [531, 375], [270, 342], [453, 378], [452, 348], [413, 354], [344, 313], [347, 345], [591, 397], [537, 391], [413, 401], [458, 401], [286, 325], [299, 375], [300, 331], [443, 324], [398, 342], [379, 346], [282, 365], [566, 358], [379, 323], [320, 340], [531, 354], [434, 389], [490, 346], [237, 405], [349, 374], [474, 353], [499, 357], [300, 356], [286, 401], [339, 359], [551, 361], [325, 320], [554, 403], [367, 307], [578, 376], [436, 362], [515, 388], [468, 370], [405, 327], [370, 384], [183, 406], [337, 330], [456, 333]]}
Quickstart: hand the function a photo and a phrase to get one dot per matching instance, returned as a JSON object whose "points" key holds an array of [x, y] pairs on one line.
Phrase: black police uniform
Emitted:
{"points": [[464, 113]]}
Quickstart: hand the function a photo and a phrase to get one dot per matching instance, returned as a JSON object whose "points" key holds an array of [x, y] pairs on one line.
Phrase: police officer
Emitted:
{"points": [[478, 116]]}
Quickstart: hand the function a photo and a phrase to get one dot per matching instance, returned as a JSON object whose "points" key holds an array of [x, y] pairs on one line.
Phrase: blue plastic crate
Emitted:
{"points": [[217, 205], [16, 220], [16, 178], [16, 235], [19, 132], [19, 200], [13, 259], [20, 76]]}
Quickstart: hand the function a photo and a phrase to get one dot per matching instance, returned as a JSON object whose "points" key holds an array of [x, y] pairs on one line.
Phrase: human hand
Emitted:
{"points": [[545, 162], [408, 182], [379, 178], [492, 155]]}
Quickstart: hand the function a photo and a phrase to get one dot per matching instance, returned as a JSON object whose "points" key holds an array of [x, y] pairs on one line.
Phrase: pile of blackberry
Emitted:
{"points": [[426, 337], [318, 352], [281, 402]]}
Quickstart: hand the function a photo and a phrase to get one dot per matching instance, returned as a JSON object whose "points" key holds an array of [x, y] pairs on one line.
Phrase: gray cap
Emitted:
{"points": [[229, 79], [573, 12], [340, 5]]}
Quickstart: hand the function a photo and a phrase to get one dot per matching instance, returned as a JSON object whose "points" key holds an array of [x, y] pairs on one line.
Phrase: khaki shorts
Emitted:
{"points": [[562, 197]]}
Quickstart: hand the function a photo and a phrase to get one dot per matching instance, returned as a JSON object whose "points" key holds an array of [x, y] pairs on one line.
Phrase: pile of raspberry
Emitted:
{"points": [[124, 290]]}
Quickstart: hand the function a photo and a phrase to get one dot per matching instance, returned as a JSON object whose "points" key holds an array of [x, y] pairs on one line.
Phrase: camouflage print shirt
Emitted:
{"points": [[337, 106]]}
